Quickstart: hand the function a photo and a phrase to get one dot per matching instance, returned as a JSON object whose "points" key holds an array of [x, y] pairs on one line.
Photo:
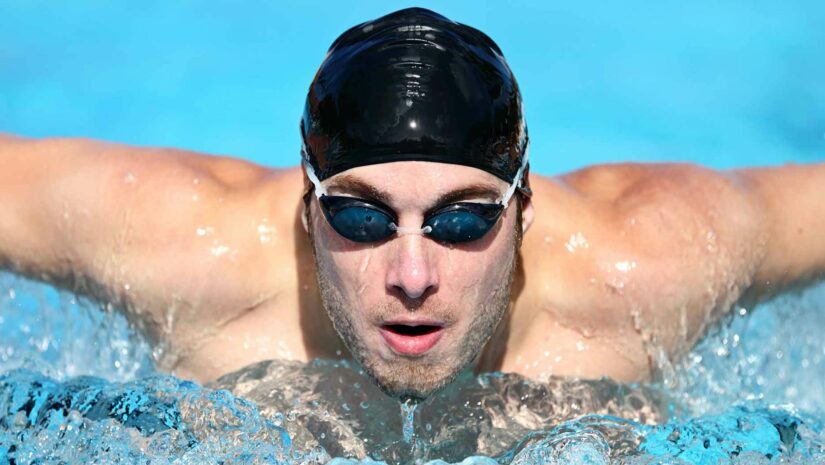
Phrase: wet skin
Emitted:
{"points": [[210, 258]]}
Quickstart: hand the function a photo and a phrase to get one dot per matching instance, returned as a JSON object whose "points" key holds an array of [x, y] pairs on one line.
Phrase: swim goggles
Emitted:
{"points": [[364, 221]]}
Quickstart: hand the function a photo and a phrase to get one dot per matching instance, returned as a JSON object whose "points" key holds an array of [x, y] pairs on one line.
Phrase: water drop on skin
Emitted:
{"points": [[365, 263], [266, 233]]}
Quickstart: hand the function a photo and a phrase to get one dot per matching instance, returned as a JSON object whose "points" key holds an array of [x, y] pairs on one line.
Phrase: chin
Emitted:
{"points": [[410, 388], [412, 379]]}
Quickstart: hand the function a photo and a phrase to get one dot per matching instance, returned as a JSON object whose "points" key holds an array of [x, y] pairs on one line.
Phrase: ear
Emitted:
{"points": [[304, 196], [528, 213]]}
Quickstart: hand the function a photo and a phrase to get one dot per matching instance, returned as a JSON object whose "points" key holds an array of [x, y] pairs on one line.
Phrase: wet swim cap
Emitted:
{"points": [[414, 85]]}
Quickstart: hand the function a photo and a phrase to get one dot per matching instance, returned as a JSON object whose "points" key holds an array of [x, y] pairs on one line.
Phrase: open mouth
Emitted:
{"points": [[410, 330], [411, 339]]}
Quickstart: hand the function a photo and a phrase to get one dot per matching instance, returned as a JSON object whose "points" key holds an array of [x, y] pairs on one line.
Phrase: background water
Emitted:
{"points": [[722, 84]]}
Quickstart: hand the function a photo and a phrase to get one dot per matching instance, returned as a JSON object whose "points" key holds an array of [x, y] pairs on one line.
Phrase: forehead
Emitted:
{"points": [[416, 181]]}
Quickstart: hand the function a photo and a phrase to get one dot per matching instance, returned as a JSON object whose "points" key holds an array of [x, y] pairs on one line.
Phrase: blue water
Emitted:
{"points": [[722, 84], [82, 388]]}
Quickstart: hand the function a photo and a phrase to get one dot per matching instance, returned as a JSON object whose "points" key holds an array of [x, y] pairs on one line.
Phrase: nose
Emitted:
{"points": [[411, 269]]}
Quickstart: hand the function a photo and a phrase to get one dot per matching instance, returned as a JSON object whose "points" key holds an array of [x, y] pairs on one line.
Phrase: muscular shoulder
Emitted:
{"points": [[668, 203], [636, 184], [671, 244]]}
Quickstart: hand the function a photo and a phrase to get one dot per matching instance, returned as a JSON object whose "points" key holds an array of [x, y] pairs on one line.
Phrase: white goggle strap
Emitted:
{"points": [[319, 188], [517, 181]]}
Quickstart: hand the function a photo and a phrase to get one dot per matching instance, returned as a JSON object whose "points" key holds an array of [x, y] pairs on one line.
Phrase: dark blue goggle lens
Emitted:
{"points": [[357, 220], [463, 222], [362, 221]]}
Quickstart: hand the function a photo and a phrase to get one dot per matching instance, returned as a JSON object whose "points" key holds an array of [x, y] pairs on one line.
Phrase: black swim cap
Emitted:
{"points": [[414, 85]]}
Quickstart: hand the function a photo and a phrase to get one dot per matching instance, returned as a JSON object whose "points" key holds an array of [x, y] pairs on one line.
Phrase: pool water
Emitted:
{"points": [[77, 385]]}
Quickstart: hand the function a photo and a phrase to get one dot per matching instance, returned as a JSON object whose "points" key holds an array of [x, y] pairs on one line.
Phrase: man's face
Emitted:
{"points": [[414, 312]]}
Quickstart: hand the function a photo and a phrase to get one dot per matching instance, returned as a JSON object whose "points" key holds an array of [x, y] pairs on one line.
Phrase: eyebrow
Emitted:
{"points": [[355, 186]]}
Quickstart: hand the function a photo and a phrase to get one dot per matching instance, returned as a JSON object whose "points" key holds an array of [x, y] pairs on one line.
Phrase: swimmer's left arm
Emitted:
{"points": [[792, 201]]}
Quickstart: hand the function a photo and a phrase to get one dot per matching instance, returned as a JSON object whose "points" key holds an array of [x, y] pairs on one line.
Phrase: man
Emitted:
{"points": [[410, 231]]}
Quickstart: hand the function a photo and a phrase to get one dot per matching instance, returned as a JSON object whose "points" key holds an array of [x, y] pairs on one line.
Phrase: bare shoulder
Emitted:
{"points": [[184, 241], [663, 250], [639, 184]]}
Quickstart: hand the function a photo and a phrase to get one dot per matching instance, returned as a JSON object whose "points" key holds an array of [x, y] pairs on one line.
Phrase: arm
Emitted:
{"points": [[793, 201], [166, 235]]}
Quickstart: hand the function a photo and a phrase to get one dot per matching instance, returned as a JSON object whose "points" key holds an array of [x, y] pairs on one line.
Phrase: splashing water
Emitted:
{"points": [[750, 393], [408, 420]]}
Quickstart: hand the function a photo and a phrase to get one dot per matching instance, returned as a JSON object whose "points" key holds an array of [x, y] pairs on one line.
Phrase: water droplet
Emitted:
{"points": [[625, 266], [219, 250], [576, 241], [266, 232]]}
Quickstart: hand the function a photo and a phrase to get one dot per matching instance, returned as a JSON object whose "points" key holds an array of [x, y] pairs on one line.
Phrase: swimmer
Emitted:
{"points": [[412, 237]]}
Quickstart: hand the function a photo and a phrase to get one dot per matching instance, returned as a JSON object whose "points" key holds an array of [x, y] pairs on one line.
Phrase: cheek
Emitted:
{"points": [[350, 267], [470, 274]]}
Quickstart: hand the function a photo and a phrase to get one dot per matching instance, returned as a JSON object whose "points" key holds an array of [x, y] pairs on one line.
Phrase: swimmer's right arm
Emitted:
{"points": [[168, 235]]}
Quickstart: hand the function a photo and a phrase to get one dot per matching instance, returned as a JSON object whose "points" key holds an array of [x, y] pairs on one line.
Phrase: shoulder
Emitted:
{"points": [[640, 182], [662, 240], [679, 192]]}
